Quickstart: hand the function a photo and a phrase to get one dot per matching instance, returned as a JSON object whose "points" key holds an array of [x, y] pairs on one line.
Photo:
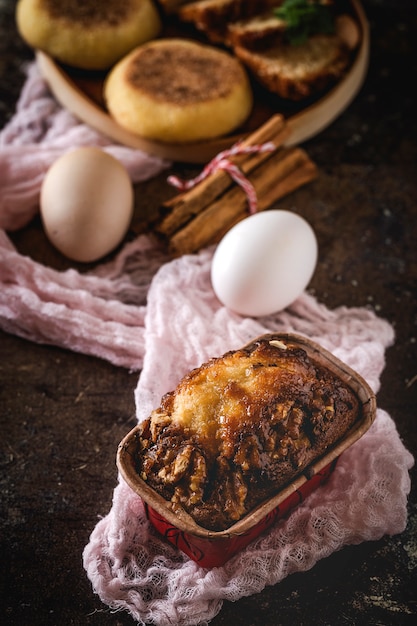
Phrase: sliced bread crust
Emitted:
{"points": [[297, 72]]}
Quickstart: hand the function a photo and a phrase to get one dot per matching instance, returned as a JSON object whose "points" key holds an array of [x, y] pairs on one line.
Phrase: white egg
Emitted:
{"points": [[86, 203], [264, 263]]}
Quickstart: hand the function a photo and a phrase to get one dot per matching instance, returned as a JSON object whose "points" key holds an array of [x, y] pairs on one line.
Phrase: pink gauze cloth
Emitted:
{"points": [[144, 311], [99, 314]]}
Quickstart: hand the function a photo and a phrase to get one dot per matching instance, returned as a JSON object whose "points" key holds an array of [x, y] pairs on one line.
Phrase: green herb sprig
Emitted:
{"points": [[305, 18]]}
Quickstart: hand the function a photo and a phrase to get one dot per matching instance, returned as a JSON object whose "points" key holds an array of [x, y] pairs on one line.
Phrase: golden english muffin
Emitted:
{"points": [[87, 34], [178, 91]]}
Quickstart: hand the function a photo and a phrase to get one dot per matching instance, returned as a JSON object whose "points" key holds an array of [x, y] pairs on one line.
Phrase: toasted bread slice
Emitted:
{"points": [[257, 32], [297, 72], [267, 29], [212, 17]]}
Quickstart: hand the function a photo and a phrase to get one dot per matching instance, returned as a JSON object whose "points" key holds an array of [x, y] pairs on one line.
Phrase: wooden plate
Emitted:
{"points": [[81, 93]]}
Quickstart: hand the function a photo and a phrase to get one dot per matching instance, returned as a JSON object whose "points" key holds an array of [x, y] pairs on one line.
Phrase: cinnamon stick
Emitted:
{"points": [[203, 214], [280, 174], [184, 207]]}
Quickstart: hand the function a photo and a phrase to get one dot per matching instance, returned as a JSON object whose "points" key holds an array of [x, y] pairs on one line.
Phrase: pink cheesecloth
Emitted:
{"points": [[143, 305]]}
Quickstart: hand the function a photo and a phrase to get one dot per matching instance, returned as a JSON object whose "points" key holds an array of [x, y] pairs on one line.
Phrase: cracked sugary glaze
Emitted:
{"points": [[238, 428]]}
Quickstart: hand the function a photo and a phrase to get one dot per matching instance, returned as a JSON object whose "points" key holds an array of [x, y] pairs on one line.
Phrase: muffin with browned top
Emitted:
{"points": [[85, 33], [176, 90]]}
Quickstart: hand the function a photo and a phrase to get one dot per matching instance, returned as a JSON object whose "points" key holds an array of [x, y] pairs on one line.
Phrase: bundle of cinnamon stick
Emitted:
{"points": [[202, 215]]}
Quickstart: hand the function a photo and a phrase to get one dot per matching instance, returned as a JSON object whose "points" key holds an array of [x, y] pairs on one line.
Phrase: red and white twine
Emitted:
{"points": [[222, 162]]}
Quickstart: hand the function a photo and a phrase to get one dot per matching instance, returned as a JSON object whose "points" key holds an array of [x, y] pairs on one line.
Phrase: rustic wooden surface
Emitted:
{"points": [[62, 414]]}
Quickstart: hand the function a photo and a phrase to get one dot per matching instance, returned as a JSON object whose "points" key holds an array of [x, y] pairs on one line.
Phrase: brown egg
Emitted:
{"points": [[86, 204]]}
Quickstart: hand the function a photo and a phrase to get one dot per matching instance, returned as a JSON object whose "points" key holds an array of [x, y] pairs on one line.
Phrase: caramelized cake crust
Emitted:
{"points": [[240, 427]]}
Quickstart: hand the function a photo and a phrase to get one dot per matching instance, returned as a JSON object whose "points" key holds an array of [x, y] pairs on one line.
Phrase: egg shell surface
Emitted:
{"points": [[264, 263], [86, 203]]}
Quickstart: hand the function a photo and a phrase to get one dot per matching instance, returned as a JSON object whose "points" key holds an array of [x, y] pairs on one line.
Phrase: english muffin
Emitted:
{"points": [[85, 33], [177, 91]]}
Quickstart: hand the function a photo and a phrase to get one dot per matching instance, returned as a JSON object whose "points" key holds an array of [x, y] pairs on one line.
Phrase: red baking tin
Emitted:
{"points": [[212, 549]]}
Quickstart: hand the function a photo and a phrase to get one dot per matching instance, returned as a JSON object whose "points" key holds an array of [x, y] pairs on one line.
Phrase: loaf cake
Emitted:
{"points": [[87, 34], [240, 427]]}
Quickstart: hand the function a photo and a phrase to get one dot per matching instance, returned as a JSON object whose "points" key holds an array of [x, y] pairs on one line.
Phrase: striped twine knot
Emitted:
{"points": [[222, 162]]}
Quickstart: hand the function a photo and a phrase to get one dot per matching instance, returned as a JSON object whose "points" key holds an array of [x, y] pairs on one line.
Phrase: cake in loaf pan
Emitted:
{"points": [[243, 431]]}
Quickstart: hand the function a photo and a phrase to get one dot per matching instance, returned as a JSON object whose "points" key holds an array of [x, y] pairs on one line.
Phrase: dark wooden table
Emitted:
{"points": [[62, 414]]}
